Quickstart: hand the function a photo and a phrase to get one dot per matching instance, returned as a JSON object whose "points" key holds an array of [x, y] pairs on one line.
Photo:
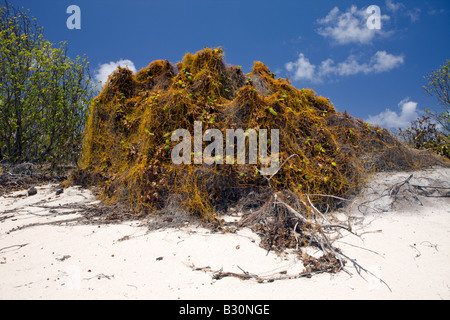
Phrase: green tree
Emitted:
{"points": [[432, 131], [439, 87], [423, 133], [44, 94]]}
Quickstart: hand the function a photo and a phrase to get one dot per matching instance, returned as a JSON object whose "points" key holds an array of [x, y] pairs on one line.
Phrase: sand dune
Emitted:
{"points": [[47, 251]]}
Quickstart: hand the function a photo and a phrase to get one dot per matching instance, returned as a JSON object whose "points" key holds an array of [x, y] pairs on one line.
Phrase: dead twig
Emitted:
{"points": [[431, 245], [100, 276], [360, 268], [396, 188], [13, 246], [37, 224], [219, 274]]}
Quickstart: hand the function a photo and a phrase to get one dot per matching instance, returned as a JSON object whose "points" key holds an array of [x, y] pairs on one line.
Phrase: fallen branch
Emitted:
{"points": [[38, 224], [16, 245], [219, 274], [299, 216]]}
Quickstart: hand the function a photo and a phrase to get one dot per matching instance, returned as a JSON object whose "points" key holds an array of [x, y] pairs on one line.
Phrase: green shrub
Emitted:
{"points": [[424, 134], [44, 94]]}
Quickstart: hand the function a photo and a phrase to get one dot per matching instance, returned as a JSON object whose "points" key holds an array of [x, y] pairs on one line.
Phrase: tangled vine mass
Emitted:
{"points": [[127, 148]]}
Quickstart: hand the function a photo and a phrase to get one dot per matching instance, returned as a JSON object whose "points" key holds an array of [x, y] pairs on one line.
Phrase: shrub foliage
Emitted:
{"points": [[44, 94]]}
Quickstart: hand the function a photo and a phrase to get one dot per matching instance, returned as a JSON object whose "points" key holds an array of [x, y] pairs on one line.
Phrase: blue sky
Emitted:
{"points": [[376, 75]]}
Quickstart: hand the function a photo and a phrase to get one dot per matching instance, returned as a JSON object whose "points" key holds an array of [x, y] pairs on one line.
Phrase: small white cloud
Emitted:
{"points": [[106, 69], [346, 68], [413, 14], [392, 119], [349, 26], [381, 61], [432, 11], [302, 68], [394, 7]]}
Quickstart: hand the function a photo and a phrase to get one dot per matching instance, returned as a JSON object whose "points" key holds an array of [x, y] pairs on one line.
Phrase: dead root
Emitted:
{"points": [[288, 221]]}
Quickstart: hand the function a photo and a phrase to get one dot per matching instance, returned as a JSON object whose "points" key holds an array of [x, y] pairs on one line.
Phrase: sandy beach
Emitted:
{"points": [[49, 253]]}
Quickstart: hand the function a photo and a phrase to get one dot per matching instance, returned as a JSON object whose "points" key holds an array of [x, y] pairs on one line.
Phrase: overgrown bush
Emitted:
{"points": [[127, 147]]}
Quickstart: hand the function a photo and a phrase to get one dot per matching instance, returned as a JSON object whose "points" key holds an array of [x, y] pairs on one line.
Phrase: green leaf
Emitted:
{"points": [[273, 112]]}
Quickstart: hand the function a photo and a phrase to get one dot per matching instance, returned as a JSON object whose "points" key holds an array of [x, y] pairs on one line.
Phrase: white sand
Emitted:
{"points": [[409, 249]]}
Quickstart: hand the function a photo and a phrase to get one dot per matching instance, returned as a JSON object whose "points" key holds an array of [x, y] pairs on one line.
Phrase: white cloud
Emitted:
{"points": [[302, 68], [381, 61], [106, 69], [413, 14], [431, 11], [349, 26], [394, 7], [392, 119]]}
